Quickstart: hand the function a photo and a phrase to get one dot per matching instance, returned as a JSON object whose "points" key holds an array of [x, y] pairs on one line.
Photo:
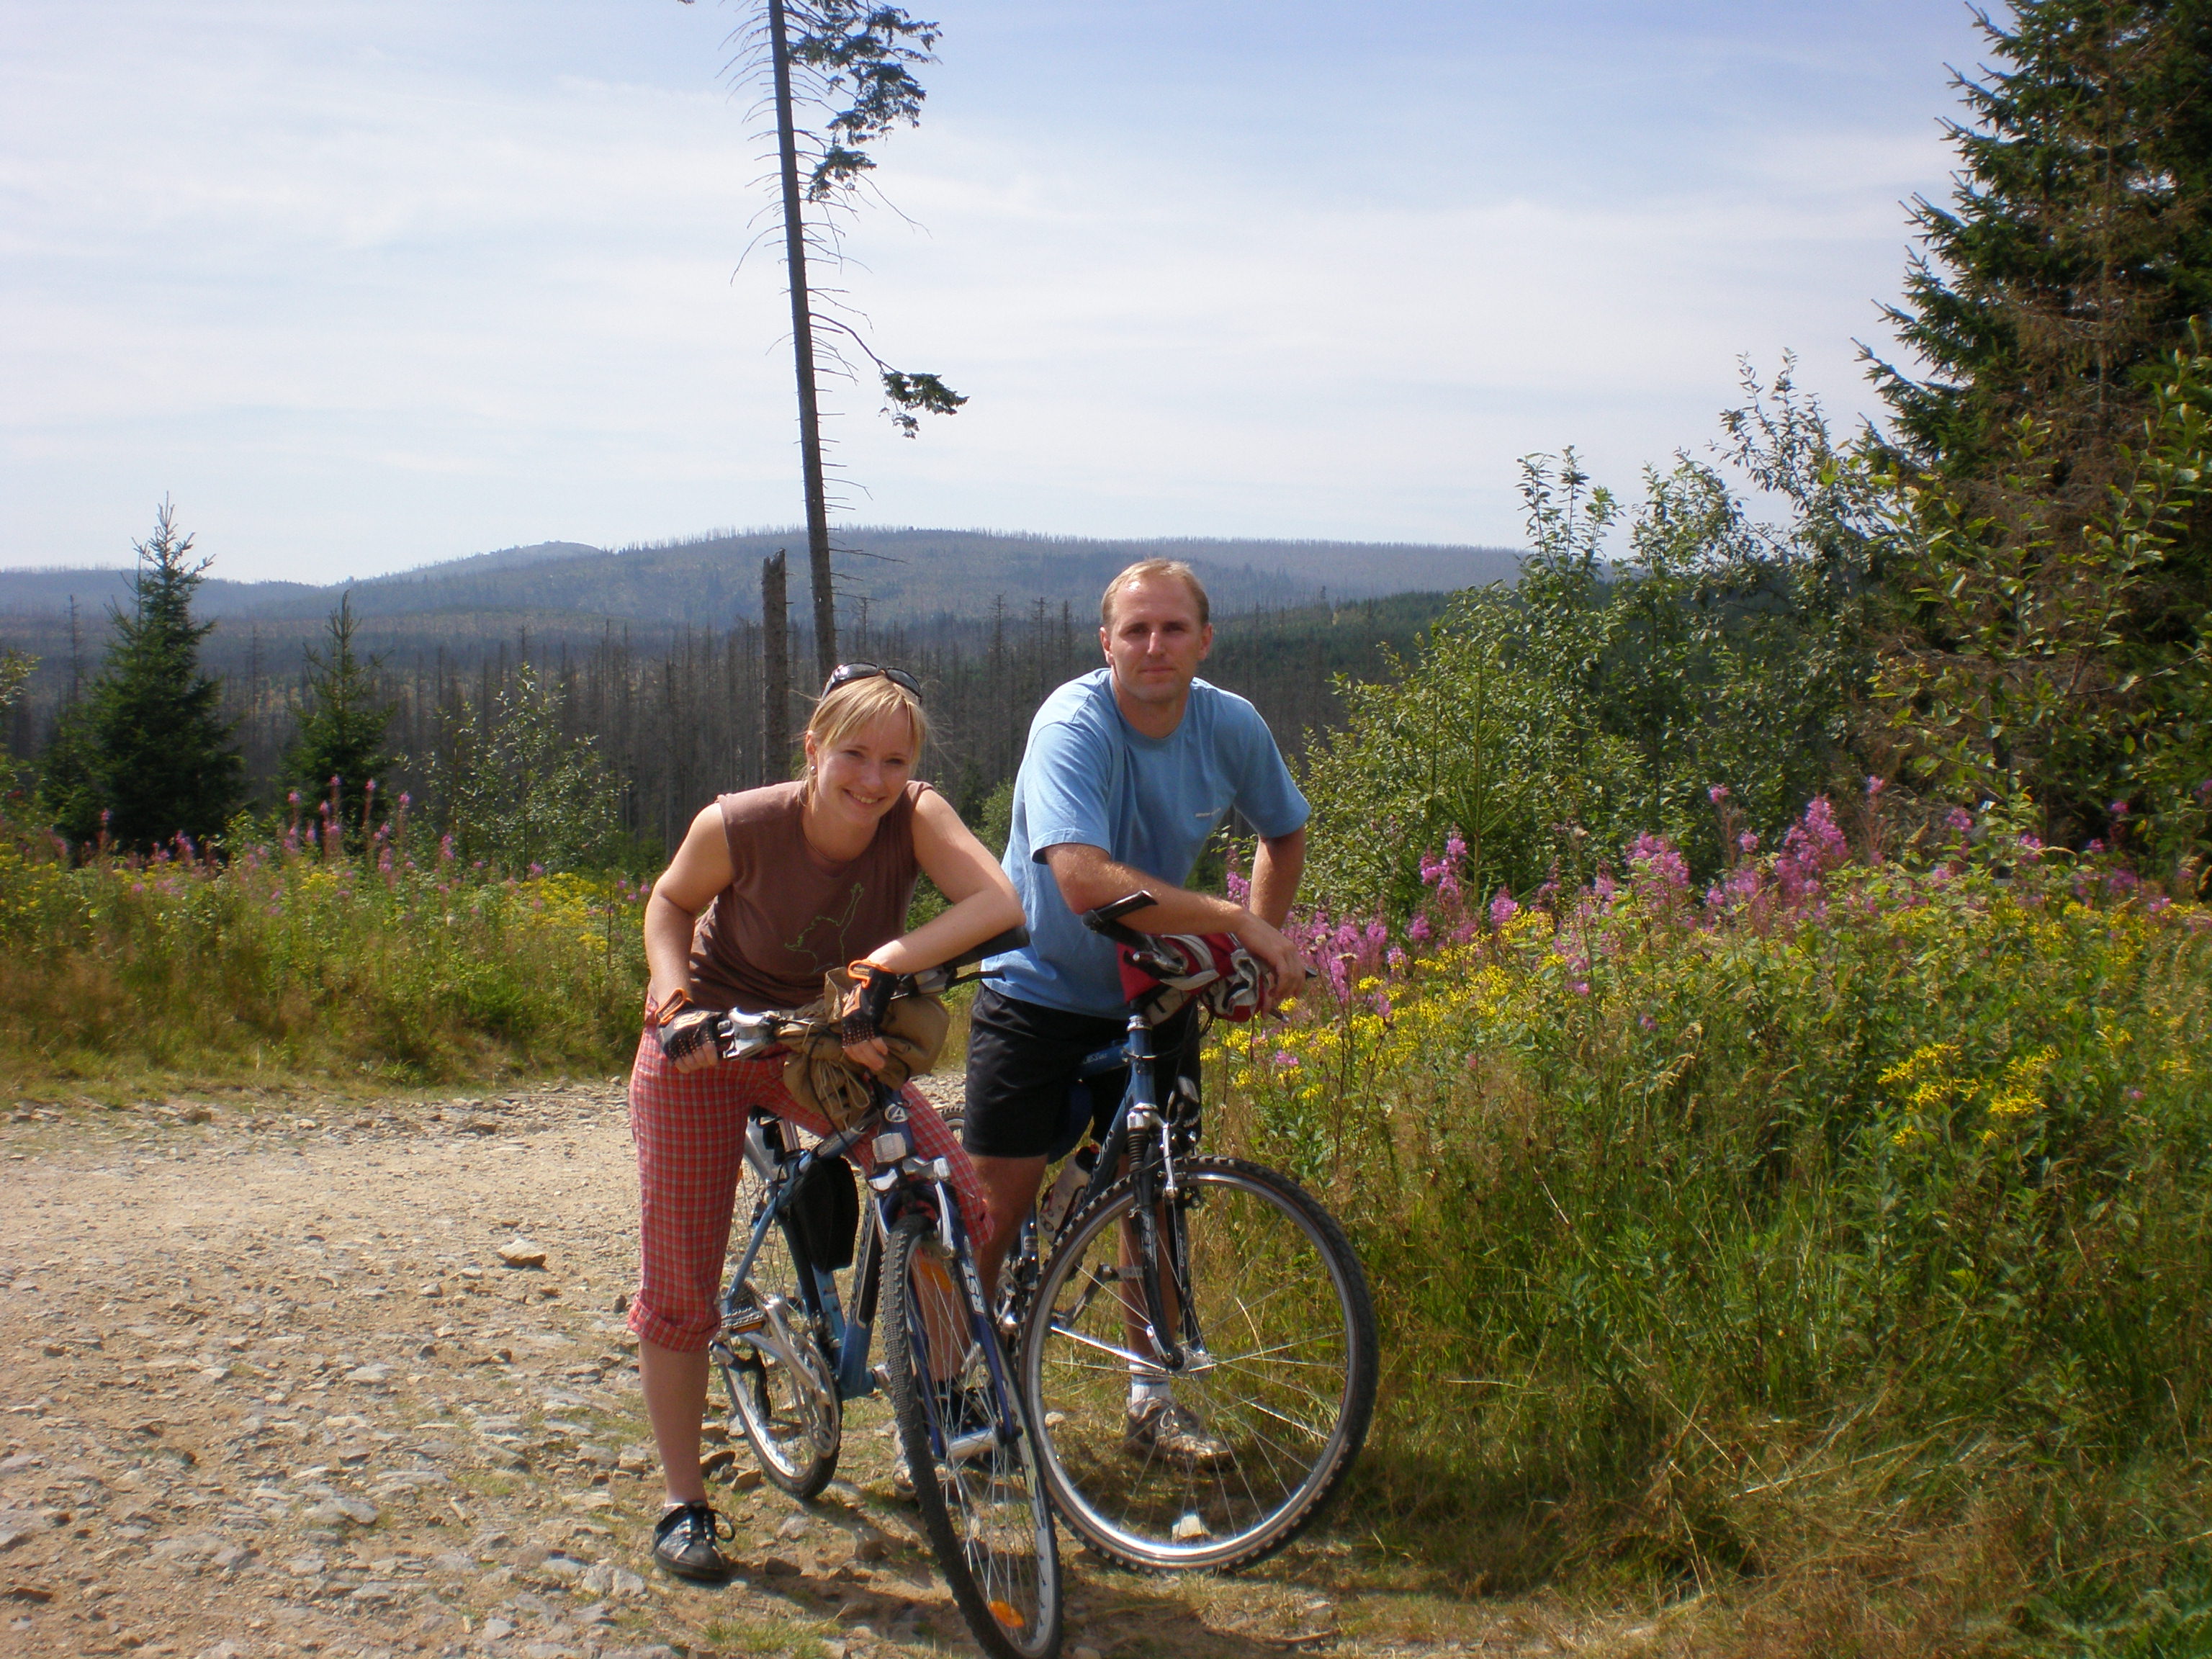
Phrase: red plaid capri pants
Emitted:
{"points": [[690, 1131]]}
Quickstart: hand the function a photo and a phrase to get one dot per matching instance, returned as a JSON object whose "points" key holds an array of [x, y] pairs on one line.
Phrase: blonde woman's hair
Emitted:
{"points": [[1146, 570], [858, 704]]}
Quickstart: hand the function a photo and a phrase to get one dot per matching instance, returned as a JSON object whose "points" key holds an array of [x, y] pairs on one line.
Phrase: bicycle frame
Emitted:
{"points": [[1140, 1138], [895, 1186]]}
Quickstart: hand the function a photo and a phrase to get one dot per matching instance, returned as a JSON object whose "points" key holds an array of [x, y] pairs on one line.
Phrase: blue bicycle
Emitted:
{"points": [[790, 1354], [1195, 1333]]}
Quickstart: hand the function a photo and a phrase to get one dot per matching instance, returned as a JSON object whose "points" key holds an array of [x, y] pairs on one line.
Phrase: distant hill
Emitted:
{"points": [[905, 575]]}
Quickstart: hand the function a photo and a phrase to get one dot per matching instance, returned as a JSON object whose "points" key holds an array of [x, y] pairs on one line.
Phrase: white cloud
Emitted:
{"points": [[364, 285]]}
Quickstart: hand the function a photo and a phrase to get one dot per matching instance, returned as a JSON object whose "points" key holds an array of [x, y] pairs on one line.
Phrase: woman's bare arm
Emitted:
{"points": [[981, 897], [700, 870]]}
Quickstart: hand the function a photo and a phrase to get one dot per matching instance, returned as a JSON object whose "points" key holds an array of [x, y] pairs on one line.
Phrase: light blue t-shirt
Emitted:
{"points": [[1089, 776]]}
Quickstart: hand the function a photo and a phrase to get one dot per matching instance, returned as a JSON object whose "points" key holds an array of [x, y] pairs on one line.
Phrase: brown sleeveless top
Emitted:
{"points": [[789, 916]]}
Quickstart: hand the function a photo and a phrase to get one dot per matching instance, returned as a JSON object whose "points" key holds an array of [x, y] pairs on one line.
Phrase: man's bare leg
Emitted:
{"points": [[1011, 1184]]}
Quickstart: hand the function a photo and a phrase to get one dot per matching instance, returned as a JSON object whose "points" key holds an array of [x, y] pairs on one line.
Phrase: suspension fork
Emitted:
{"points": [[914, 1178], [1157, 1187]]}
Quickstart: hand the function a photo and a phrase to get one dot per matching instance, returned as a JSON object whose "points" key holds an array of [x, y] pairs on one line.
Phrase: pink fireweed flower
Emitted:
{"points": [[1503, 908], [1748, 841], [1287, 1061], [1717, 794], [1419, 930], [1875, 786], [1657, 862]]}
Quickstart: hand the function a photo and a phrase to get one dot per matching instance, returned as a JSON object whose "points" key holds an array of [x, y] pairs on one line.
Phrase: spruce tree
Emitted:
{"points": [[147, 755], [343, 724], [2052, 603], [2077, 244]]}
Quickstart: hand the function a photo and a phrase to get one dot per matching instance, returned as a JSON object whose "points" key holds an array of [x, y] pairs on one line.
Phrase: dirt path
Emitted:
{"points": [[270, 1389]]}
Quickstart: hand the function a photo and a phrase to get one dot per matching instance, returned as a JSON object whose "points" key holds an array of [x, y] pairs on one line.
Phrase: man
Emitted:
{"points": [[1129, 769]]}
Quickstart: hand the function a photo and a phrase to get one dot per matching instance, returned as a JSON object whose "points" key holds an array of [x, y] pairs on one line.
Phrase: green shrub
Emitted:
{"points": [[1548, 723], [282, 959], [1845, 1220]]}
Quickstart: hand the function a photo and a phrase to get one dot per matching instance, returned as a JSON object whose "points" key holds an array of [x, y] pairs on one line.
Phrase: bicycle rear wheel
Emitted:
{"points": [[971, 1452], [1267, 1418], [788, 1415]]}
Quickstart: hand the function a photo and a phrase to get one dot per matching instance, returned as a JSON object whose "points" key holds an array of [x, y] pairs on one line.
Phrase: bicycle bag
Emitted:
{"points": [[820, 1077], [1174, 968], [826, 1211]]}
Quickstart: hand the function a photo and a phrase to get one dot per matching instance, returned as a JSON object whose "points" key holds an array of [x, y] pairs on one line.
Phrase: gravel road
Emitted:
{"points": [[271, 1388]]}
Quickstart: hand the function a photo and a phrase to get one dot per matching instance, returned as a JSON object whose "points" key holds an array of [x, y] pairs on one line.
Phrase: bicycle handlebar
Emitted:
{"points": [[1106, 920], [750, 1036]]}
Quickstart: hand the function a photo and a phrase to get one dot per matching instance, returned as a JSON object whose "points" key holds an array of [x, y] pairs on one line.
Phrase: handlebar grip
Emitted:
{"points": [[1106, 920], [1012, 939], [876, 995]]}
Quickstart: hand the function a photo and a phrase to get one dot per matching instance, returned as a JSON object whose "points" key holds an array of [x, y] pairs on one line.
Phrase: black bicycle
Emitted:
{"points": [[1196, 1336], [790, 1355]]}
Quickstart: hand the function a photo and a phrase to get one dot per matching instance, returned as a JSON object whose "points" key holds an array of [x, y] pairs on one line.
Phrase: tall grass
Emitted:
{"points": [[390, 964], [1836, 1238]]}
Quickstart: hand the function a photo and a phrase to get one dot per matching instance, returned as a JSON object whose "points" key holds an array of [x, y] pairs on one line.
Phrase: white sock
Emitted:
{"points": [[1144, 1389]]}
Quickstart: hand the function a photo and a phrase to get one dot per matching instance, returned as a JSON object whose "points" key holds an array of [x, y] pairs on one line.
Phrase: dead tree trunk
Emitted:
{"points": [[776, 672], [802, 352]]}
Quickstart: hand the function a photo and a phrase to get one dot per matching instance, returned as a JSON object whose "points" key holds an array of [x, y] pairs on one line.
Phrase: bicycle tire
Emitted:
{"points": [[976, 1485], [1285, 1312], [795, 1437]]}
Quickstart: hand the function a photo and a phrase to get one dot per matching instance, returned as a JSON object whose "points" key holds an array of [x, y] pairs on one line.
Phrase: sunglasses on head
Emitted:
{"points": [[846, 672]]}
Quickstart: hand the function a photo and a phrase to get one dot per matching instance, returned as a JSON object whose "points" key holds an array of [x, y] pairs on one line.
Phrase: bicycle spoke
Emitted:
{"points": [[1252, 1441]]}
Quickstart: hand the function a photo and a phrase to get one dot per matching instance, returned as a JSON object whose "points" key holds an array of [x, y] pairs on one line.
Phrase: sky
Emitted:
{"points": [[368, 284]]}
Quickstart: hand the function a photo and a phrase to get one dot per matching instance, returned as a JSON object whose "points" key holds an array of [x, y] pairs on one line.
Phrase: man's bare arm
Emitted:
{"points": [[1088, 878]]}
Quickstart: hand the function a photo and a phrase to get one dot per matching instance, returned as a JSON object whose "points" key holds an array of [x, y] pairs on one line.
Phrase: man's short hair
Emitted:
{"points": [[1144, 570]]}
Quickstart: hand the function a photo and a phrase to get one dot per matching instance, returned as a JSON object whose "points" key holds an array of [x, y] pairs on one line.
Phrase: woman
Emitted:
{"points": [[772, 889]]}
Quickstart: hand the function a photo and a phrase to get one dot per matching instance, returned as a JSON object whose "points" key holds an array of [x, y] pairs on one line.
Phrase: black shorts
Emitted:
{"points": [[1023, 1057]]}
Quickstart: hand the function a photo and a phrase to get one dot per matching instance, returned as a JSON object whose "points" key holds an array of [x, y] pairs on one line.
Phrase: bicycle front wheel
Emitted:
{"points": [[1258, 1429], [968, 1449]]}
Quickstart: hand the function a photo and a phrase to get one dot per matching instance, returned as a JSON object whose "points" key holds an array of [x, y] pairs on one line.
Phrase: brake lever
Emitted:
{"points": [[749, 1036]]}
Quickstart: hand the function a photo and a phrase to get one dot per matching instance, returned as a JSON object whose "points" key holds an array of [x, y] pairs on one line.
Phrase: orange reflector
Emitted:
{"points": [[1004, 1614]]}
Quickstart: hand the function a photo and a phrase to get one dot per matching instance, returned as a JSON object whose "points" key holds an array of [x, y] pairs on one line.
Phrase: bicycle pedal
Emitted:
{"points": [[744, 1319]]}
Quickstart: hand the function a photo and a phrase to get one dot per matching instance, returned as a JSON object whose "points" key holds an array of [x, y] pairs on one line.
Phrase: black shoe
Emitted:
{"points": [[683, 1542]]}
